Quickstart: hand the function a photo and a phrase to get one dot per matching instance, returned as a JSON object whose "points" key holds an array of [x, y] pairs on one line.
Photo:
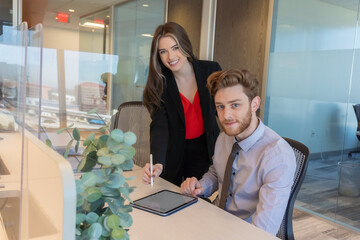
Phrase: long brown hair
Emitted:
{"points": [[155, 81]]}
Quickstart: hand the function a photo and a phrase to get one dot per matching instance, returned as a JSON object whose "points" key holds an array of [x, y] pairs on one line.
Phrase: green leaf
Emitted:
{"points": [[68, 146], [89, 149], [109, 192], [93, 194], [88, 162], [128, 152], [78, 231], [76, 134], [77, 146], [113, 221], [125, 191], [79, 186], [95, 230], [118, 159], [127, 165], [89, 139], [117, 135], [80, 217], [92, 217], [79, 200], [113, 145], [102, 152], [94, 110], [115, 180], [130, 178], [100, 176], [105, 160], [88, 179], [102, 141], [126, 220], [117, 233], [49, 143], [129, 138], [63, 129], [97, 206]]}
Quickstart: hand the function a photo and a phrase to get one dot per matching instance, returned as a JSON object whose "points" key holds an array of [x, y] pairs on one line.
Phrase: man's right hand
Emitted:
{"points": [[192, 186]]}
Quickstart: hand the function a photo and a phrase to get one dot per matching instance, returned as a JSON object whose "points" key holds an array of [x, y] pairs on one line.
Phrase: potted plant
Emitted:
{"points": [[102, 189]]}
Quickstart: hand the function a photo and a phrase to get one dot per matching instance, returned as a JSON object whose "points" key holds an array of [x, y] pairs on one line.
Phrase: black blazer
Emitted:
{"points": [[167, 129]]}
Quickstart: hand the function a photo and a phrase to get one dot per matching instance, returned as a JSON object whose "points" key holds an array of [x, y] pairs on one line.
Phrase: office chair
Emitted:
{"points": [[133, 116], [301, 153], [357, 113]]}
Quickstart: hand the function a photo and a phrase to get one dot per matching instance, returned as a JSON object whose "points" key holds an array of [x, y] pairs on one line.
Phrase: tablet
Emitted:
{"points": [[164, 202]]}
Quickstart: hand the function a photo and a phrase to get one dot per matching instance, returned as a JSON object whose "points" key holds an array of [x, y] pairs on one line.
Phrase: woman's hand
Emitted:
{"points": [[157, 170]]}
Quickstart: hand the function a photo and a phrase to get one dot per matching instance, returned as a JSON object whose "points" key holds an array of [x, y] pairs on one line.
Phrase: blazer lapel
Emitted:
{"points": [[175, 95], [202, 89]]}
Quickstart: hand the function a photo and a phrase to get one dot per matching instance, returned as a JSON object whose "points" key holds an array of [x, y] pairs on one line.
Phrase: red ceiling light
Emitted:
{"points": [[62, 17]]}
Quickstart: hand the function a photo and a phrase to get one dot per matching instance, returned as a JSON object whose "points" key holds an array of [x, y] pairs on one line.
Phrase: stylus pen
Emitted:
{"points": [[151, 171]]}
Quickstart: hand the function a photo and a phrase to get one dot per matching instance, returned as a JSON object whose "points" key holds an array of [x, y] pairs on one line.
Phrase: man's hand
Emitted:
{"points": [[192, 186], [157, 170]]}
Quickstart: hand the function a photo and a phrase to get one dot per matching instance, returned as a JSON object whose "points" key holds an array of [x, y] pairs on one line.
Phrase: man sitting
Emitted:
{"points": [[261, 166]]}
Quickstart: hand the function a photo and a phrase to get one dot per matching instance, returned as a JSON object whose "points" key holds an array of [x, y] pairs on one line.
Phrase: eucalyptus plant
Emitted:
{"points": [[102, 190]]}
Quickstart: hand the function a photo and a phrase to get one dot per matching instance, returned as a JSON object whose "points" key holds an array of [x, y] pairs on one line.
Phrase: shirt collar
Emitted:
{"points": [[250, 141]]}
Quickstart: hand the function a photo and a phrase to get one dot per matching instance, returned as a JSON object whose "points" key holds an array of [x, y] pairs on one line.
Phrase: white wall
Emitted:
{"points": [[60, 38]]}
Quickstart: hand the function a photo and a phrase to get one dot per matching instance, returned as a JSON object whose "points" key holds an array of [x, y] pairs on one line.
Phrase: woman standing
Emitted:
{"points": [[183, 130]]}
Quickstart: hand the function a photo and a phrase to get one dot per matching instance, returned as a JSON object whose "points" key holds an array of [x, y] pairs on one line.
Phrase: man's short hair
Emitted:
{"points": [[231, 77]]}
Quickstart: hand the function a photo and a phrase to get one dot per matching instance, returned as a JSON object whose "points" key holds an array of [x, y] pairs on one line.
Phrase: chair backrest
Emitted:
{"points": [[357, 114], [134, 117], [301, 153]]}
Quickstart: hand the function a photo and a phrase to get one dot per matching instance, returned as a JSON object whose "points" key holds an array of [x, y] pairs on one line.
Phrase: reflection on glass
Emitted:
{"points": [[134, 25], [311, 73]]}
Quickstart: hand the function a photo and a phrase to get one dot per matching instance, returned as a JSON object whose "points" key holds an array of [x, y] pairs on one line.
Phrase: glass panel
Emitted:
{"points": [[49, 91], [33, 80], [13, 47], [134, 24], [309, 80], [86, 76]]}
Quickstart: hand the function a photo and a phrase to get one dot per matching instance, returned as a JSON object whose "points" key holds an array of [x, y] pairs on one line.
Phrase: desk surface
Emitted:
{"points": [[201, 220]]}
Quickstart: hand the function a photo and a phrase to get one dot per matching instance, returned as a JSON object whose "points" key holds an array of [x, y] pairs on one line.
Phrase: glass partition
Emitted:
{"points": [[134, 24], [313, 81], [13, 46], [33, 84]]}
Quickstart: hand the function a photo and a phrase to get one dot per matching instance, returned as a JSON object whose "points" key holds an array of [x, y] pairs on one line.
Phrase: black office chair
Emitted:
{"points": [[301, 153], [357, 113], [133, 116]]}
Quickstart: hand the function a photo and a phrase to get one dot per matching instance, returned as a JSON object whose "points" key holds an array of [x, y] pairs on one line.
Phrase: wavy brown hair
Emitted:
{"points": [[155, 81], [228, 78]]}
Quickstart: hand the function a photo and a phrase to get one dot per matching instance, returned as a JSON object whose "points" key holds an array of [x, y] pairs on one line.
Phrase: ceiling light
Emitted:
{"points": [[145, 5], [107, 16], [147, 35], [71, 10], [92, 24]]}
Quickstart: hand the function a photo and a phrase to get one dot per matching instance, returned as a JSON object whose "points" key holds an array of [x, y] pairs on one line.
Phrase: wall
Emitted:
{"points": [[187, 13], [60, 38], [240, 36]]}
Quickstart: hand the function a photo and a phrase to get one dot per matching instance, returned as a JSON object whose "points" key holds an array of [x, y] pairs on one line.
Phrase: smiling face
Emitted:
{"points": [[237, 114], [171, 55]]}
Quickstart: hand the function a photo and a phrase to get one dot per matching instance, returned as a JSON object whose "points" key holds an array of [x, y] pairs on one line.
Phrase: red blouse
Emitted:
{"points": [[193, 117]]}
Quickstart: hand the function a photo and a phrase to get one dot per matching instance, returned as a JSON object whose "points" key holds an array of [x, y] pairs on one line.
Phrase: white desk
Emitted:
{"points": [[201, 220]]}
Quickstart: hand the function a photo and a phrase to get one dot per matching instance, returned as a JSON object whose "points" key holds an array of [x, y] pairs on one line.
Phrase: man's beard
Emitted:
{"points": [[243, 125]]}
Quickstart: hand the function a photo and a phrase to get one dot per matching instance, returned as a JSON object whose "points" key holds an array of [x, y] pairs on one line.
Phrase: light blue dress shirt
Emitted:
{"points": [[261, 180]]}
